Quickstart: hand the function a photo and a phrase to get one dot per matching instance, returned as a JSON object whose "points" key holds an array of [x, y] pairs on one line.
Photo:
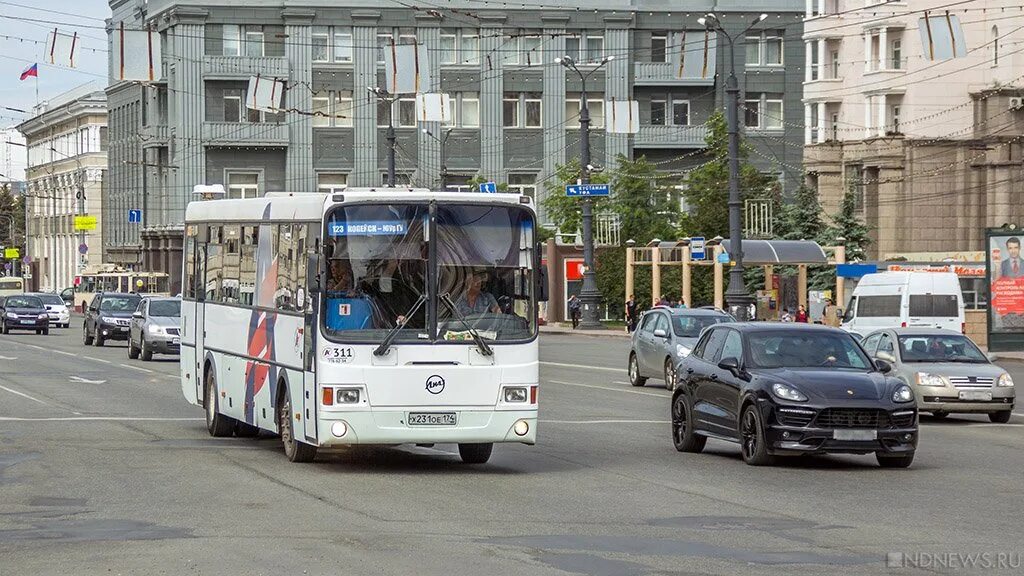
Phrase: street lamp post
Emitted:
{"points": [[590, 297], [736, 296], [390, 134], [443, 141]]}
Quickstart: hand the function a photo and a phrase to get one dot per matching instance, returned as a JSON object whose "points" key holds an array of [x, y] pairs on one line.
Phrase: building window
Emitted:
{"points": [[470, 110], [343, 108], [458, 183], [657, 112], [232, 45], [332, 108], [764, 49], [753, 50], [321, 40], [995, 46], [232, 108], [815, 65], [680, 113], [523, 184], [469, 51], [530, 47], [896, 49], [521, 110], [595, 49], [383, 113], [573, 109], [763, 114], [510, 111], [659, 47], [586, 48], [401, 179], [508, 52], [532, 106], [835, 64], [342, 45], [253, 40], [321, 110], [407, 113], [383, 43], [331, 183], [835, 127], [895, 112], [448, 48], [243, 185]]}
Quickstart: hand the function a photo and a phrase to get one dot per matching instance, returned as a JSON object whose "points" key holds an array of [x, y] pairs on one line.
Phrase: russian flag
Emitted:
{"points": [[32, 70]]}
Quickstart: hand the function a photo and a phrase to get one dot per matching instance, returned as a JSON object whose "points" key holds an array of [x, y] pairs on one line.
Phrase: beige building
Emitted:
{"points": [[931, 147], [66, 169]]}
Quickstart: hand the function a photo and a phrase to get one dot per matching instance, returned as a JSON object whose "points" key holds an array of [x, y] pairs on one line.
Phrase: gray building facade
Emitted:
{"points": [[515, 112]]}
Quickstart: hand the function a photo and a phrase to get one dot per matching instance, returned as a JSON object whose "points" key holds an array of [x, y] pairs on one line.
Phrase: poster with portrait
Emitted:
{"points": [[1006, 281]]}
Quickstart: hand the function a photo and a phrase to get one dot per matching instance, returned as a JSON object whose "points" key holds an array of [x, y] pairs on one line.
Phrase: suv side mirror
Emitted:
{"points": [[883, 366], [732, 365], [542, 284], [138, 315]]}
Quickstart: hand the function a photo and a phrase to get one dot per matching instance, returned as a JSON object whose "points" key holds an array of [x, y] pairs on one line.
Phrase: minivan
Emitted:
{"points": [[905, 299]]}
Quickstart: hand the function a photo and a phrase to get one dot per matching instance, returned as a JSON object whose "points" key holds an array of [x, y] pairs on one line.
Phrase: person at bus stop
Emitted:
{"points": [[574, 310], [475, 300], [801, 314], [632, 313]]}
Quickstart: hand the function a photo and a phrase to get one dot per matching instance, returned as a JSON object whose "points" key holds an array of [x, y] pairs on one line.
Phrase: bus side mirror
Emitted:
{"points": [[313, 272], [542, 284]]}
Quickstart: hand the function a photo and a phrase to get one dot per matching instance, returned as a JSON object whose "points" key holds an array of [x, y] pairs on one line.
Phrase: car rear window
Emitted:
{"points": [[878, 306], [934, 305]]}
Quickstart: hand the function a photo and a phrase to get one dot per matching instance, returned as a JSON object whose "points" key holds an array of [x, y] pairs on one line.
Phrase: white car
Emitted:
{"points": [[56, 308]]}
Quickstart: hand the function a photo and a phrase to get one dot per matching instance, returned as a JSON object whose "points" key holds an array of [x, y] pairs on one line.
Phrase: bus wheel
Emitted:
{"points": [[218, 424], [295, 450], [475, 453]]}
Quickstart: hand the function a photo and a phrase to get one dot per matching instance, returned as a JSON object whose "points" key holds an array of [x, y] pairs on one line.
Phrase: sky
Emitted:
{"points": [[22, 43]]}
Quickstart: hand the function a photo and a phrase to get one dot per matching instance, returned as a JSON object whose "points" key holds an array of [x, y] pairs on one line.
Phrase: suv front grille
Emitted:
{"points": [[798, 417], [903, 418], [853, 418]]}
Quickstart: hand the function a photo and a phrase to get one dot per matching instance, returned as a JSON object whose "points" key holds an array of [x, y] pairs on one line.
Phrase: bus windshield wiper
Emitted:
{"points": [[385, 344], [484, 348]]}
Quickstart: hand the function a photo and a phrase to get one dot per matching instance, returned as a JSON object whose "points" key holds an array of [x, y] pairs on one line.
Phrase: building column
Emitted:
{"points": [[867, 51], [822, 131], [883, 48], [428, 148], [809, 8], [821, 7], [808, 60], [617, 80], [299, 175], [881, 114], [186, 94], [492, 88], [867, 116], [552, 107], [821, 58], [365, 169], [808, 129]]}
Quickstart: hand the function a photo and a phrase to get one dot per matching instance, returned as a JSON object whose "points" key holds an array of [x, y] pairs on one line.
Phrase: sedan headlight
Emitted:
{"points": [[1005, 381], [154, 329], [926, 379], [12, 315], [44, 316], [787, 393], [682, 351], [903, 394]]}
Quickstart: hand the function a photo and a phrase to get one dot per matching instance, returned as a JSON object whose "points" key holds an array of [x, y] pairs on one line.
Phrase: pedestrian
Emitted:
{"points": [[664, 301], [632, 313], [801, 314], [574, 310], [786, 316], [680, 304]]}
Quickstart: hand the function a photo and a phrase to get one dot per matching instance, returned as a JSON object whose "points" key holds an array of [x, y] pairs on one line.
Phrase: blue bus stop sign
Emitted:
{"points": [[489, 187]]}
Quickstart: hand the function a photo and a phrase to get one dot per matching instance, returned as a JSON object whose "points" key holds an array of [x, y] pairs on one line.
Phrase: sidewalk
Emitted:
{"points": [[563, 329]]}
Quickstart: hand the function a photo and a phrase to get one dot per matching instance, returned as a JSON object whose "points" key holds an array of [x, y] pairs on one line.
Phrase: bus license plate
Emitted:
{"points": [[432, 419], [984, 396], [855, 435]]}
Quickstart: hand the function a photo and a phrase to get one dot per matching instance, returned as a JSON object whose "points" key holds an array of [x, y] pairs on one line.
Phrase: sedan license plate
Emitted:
{"points": [[855, 435], [432, 419], [984, 396], [28, 321]]}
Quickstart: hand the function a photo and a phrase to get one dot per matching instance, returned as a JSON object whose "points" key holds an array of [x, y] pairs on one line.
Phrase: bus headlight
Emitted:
{"points": [[347, 396], [516, 394]]}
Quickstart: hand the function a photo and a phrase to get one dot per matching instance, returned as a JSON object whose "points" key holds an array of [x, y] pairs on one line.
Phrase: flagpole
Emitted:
{"points": [[37, 88]]}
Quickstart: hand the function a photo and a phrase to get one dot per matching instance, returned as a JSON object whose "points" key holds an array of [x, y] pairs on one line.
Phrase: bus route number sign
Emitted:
{"points": [[337, 354], [367, 228]]}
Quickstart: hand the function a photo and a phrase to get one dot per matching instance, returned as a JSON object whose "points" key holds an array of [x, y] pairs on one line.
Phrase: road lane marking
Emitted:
{"points": [[130, 367], [23, 395], [623, 390], [7, 358], [100, 360], [100, 419], [81, 380], [604, 422], [65, 353], [561, 365]]}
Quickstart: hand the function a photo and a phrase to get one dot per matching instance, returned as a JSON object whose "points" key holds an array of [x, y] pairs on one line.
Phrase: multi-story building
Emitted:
{"points": [[66, 141], [515, 111], [931, 147]]}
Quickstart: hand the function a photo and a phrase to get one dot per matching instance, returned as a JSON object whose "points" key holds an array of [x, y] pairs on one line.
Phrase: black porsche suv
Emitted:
{"points": [[787, 389], [109, 317]]}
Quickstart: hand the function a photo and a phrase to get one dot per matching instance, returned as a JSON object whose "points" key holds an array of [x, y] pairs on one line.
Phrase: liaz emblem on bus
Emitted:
{"points": [[366, 228], [435, 384]]}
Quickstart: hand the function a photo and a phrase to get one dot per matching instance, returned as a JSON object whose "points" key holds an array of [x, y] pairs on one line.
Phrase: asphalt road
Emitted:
{"points": [[104, 469]]}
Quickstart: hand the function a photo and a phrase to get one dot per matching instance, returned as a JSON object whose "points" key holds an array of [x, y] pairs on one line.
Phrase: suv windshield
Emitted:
{"points": [[380, 261], [24, 302], [802, 349], [940, 348], [119, 303], [690, 326], [165, 308]]}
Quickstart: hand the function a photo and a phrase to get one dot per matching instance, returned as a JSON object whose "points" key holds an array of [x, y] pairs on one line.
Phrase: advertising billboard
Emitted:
{"points": [[1005, 273]]}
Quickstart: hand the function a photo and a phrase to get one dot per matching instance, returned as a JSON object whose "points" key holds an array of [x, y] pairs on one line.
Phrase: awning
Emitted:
{"points": [[760, 252]]}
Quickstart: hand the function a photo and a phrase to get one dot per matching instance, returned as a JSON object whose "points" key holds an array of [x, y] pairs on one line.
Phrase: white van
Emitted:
{"points": [[903, 299]]}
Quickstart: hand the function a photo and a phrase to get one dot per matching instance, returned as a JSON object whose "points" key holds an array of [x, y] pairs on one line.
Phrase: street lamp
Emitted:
{"points": [[736, 296], [590, 297], [442, 141]]}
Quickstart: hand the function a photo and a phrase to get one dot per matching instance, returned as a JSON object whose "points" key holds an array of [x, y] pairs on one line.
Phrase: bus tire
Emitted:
{"points": [[475, 453], [295, 449], [217, 424]]}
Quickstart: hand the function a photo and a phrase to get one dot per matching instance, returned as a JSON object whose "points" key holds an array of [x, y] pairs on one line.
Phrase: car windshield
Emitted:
{"points": [[119, 303], [24, 302], [690, 326], [51, 299], [940, 348], [805, 349], [165, 308]]}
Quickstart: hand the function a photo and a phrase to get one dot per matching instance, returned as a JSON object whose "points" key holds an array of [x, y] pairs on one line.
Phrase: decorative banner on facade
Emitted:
{"points": [[694, 53], [406, 68], [136, 54], [264, 93], [942, 36], [85, 222], [60, 48], [622, 116], [434, 108]]}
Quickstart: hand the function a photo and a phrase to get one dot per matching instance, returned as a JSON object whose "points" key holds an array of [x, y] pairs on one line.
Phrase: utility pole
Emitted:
{"points": [[443, 141], [390, 136], [590, 296], [737, 298]]}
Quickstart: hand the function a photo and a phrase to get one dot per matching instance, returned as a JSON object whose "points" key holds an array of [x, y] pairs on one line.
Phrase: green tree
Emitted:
{"points": [[12, 211], [847, 225], [564, 211], [801, 217]]}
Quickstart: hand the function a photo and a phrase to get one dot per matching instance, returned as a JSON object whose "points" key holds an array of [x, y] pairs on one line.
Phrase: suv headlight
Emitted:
{"points": [[903, 394], [107, 320], [787, 393], [926, 379], [154, 329], [1005, 381], [682, 351]]}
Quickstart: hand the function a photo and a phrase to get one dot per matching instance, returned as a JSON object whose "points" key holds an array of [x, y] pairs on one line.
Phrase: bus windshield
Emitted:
{"points": [[380, 263]]}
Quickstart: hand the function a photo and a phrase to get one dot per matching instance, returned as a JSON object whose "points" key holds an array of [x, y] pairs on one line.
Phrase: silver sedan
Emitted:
{"points": [[946, 370]]}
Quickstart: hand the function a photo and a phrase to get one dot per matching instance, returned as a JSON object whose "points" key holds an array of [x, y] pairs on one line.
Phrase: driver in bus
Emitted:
{"points": [[347, 307], [475, 300]]}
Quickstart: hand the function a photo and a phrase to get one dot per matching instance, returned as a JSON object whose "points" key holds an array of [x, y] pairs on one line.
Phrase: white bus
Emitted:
{"points": [[375, 317]]}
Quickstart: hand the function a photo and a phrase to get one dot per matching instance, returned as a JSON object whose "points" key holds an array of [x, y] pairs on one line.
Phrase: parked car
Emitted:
{"points": [[68, 296], [56, 308], [155, 328], [24, 312], [108, 317], [664, 337], [905, 299], [946, 370], [786, 389]]}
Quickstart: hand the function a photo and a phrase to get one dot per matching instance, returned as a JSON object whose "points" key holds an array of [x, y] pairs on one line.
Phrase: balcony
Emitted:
{"points": [[245, 134], [663, 74], [235, 67], [154, 135], [670, 136]]}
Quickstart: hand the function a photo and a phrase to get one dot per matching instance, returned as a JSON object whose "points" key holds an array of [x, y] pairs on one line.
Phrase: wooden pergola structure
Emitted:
{"points": [[766, 253]]}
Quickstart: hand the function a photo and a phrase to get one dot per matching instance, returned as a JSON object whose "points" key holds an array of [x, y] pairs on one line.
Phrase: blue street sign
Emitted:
{"points": [[587, 190], [723, 258], [855, 270], [489, 187], [135, 216], [697, 248]]}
